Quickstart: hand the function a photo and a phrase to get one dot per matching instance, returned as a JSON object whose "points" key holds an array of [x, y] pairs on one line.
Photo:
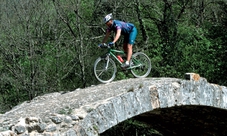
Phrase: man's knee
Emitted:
{"points": [[129, 46]]}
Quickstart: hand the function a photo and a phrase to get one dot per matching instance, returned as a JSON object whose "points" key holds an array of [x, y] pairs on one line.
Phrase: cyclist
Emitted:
{"points": [[121, 28]]}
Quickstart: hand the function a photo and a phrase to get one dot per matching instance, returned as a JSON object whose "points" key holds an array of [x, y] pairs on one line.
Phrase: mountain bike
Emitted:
{"points": [[105, 67]]}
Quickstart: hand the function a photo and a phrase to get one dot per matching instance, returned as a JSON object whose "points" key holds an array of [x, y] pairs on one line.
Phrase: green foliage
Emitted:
{"points": [[49, 46], [121, 75], [65, 111], [217, 54], [191, 50]]}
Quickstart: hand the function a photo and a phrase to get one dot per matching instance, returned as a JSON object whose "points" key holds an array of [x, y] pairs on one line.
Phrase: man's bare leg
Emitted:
{"points": [[128, 49]]}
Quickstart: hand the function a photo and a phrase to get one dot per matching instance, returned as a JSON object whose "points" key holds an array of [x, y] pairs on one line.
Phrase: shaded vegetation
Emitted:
{"points": [[132, 127]]}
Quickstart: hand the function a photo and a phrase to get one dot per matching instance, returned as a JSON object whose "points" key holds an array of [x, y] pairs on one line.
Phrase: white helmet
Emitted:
{"points": [[108, 18]]}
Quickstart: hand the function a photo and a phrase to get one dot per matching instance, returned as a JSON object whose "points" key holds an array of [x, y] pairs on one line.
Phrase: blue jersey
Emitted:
{"points": [[126, 28]]}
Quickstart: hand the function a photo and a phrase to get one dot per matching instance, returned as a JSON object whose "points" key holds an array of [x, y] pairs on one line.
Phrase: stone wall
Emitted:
{"points": [[95, 109]]}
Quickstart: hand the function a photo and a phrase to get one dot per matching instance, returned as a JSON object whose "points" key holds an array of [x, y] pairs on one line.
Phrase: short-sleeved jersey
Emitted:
{"points": [[125, 27]]}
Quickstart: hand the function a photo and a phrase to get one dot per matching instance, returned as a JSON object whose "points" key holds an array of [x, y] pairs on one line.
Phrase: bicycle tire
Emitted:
{"points": [[102, 74], [145, 65]]}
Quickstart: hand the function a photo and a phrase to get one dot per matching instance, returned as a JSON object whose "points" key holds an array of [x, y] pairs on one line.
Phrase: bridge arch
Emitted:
{"points": [[95, 109], [147, 97]]}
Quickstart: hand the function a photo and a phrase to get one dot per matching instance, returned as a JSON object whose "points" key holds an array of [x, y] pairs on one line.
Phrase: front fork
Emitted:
{"points": [[107, 58]]}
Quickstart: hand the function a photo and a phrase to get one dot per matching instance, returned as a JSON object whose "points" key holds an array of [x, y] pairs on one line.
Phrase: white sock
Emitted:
{"points": [[126, 62]]}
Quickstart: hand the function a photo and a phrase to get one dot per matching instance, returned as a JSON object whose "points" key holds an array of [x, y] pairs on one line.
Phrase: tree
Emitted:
{"points": [[49, 46]]}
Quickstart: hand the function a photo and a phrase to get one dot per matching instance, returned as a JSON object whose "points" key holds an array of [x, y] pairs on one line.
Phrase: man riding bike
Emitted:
{"points": [[121, 28]]}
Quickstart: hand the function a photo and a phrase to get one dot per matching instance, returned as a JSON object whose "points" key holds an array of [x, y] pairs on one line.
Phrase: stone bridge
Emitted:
{"points": [[93, 110]]}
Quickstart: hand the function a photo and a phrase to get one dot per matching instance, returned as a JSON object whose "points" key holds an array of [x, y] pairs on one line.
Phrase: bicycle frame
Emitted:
{"points": [[112, 52]]}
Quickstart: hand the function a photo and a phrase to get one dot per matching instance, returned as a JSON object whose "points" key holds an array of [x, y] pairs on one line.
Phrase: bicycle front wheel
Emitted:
{"points": [[141, 65], [105, 70]]}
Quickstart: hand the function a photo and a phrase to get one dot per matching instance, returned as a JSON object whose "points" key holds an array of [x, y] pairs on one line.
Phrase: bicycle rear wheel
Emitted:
{"points": [[105, 70], [140, 65]]}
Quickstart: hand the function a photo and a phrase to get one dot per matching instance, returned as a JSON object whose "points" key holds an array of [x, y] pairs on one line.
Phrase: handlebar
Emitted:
{"points": [[104, 45]]}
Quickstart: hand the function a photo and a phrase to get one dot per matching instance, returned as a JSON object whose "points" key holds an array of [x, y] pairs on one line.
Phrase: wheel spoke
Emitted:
{"points": [[142, 65], [105, 70]]}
